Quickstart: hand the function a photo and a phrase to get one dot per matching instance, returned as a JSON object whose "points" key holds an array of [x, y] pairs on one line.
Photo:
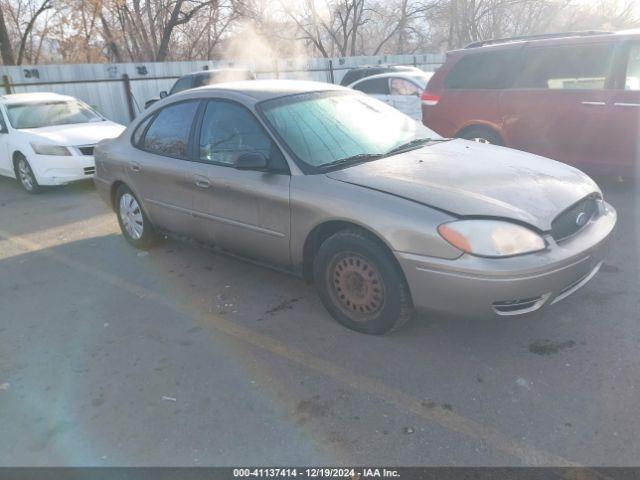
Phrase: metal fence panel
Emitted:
{"points": [[101, 86]]}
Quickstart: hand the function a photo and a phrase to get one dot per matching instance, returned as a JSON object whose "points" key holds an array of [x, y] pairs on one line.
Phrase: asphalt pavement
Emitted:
{"points": [[181, 356]]}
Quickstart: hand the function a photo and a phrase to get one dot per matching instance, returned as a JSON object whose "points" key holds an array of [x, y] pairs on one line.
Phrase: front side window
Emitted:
{"points": [[400, 86], [323, 128], [632, 81], [3, 126], [484, 70], [50, 113], [375, 86], [581, 67], [168, 134], [229, 130]]}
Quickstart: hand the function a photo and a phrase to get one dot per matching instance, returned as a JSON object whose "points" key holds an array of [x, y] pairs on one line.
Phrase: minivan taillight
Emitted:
{"points": [[429, 98]]}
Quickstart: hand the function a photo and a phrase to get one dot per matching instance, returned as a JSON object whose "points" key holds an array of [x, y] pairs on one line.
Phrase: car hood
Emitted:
{"points": [[76, 134], [471, 179]]}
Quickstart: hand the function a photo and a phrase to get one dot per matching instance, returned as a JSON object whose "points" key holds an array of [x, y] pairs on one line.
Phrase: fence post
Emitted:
{"points": [[415, 62], [6, 83], [126, 83], [275, 66], [331, 71]]}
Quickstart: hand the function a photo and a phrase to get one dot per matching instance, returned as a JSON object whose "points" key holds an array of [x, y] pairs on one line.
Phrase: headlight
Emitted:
{"points": [[48, 149], [491, 238]]}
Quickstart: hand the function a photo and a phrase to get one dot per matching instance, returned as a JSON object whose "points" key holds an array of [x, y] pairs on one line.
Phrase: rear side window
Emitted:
{"points": [[577, 67], [168, 134], [183, 83], [486, 70], [375, 86], [632, 81]]}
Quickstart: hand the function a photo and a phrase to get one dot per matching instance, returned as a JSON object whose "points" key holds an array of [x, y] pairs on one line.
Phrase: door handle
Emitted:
{"points": [[623, 104], [594, 103], [201, 182], [135, 167]]}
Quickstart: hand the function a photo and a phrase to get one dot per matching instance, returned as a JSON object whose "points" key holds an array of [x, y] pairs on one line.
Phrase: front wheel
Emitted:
{"points": [[135, 225], [26, 176], [360, 283], [482, 135]]}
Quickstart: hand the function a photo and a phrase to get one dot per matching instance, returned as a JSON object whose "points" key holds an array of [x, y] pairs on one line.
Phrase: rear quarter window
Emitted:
{"points": [[484, 70]]}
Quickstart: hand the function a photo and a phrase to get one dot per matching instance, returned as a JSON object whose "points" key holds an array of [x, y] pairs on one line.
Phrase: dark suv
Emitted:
{"points": [[573, 97], [205, 77]]}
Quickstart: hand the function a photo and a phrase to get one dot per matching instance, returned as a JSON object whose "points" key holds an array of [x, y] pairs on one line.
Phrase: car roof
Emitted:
{"points": [[399, 74], [548, 40], [260, 90], [33, 97]]}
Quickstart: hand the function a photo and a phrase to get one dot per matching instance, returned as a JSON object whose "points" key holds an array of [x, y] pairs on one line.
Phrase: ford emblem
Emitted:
{"points": [[581, 219]]}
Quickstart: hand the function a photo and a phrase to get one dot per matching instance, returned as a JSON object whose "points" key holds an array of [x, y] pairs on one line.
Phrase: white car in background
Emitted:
{"points": [[399, 89], [48, 139]]}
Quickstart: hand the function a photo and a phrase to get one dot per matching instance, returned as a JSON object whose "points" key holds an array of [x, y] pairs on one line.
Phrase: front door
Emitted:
{"points": [[159, 172], [405, 96], [622, 140], [558, 100], [242, 211]]}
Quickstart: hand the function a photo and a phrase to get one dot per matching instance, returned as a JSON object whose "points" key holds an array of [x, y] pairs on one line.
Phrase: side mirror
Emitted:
{"points": [[251, 161], [163, 94]]}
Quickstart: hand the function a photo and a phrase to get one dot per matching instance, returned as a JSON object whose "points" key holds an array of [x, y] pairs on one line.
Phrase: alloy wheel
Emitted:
{"points": [[131, 216], [26, 177]]}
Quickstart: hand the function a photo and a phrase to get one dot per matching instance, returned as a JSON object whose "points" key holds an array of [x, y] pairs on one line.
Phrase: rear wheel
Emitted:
{"points": [[360, 283], [25, 175], [482, 135], [135, 225]]}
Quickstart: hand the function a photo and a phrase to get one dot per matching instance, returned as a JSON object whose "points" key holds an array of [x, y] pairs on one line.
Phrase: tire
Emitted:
{"points": [[482, 135], [360, 283], [136, 227], [25, 175]]}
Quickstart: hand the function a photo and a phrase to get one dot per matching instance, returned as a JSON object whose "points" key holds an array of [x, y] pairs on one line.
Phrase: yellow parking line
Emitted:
{"points": [[454, 422]]}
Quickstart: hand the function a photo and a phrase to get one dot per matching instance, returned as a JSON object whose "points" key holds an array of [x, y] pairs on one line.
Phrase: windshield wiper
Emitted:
{"points": [[412, 144], [353, 159]]}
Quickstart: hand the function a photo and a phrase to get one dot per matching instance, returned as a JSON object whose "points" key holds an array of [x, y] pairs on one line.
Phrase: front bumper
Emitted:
{"points": [[475, 286], [58, 170]]}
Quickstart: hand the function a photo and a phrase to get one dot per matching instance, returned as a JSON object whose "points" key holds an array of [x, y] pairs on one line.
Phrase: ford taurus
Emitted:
{"points": [[381, 213]]}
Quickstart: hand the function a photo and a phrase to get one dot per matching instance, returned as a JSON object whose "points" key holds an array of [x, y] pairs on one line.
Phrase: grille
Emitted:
{"points": [[89, 170], [574, 218], [520, 305], [88, 150]]}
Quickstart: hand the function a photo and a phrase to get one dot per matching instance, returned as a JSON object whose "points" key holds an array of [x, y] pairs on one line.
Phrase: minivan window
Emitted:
{"points": [[485, 70], [375, 86], [168, 135], [632, 81], [576, 67], [229, 130]]}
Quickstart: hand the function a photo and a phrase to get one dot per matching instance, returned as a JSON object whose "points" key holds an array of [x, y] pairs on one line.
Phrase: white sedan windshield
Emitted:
{"points": [[322, 129], [47, 114]]}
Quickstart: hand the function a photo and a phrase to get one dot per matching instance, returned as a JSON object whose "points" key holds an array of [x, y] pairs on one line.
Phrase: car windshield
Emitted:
{"points": [[322, 129], [50, 113]]}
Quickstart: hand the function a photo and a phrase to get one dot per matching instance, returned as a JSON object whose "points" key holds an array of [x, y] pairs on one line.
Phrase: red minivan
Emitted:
{"points": [[573, 97]]}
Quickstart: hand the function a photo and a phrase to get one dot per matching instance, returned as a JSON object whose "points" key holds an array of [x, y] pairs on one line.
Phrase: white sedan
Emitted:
{"points": [[48, 139], [399, 89]]}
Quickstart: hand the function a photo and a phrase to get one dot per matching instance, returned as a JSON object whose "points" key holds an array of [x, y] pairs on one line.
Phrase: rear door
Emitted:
{"points": [[242, 211], [557, 107], [159, 173]]}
